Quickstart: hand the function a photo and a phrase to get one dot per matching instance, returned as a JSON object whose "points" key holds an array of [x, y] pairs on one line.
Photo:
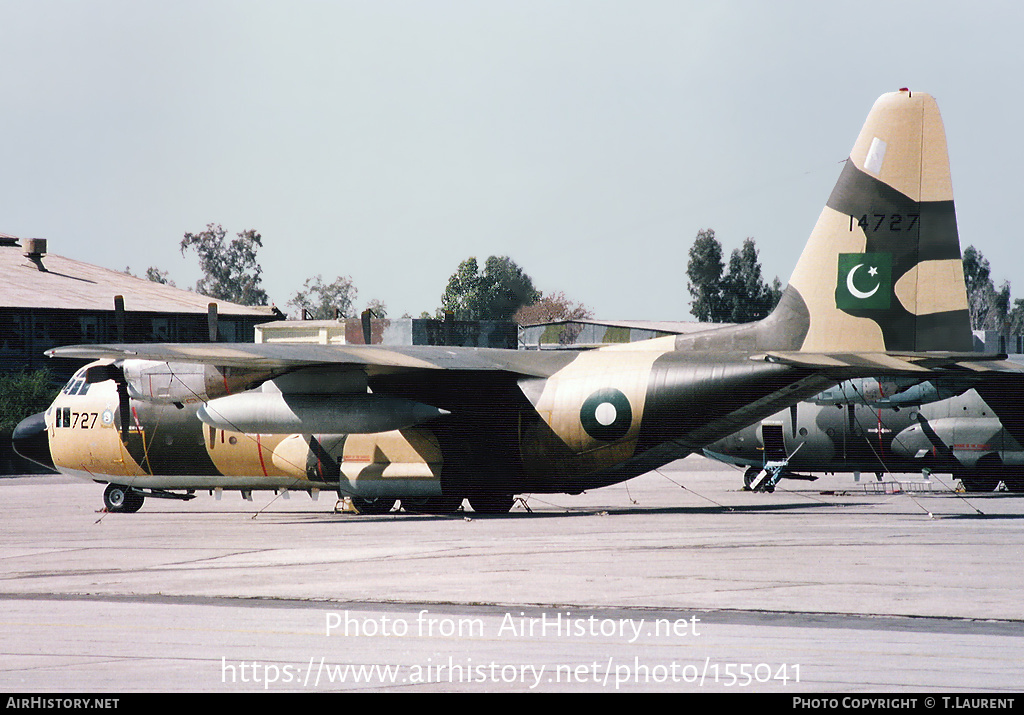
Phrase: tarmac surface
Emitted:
{"points": [[674, 581]]}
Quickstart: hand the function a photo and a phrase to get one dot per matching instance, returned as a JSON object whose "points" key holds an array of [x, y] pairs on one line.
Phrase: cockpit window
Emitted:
{"points": [[76, 386]]}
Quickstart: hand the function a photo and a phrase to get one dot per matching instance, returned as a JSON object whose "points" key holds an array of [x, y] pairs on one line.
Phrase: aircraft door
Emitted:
{"points": [[774, 442]]}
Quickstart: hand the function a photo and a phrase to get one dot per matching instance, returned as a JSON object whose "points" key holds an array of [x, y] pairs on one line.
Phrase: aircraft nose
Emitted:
{"points": [[31, 442]]}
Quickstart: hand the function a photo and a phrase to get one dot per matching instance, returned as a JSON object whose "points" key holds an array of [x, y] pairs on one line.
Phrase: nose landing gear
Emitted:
{"points": [[121, 499]]}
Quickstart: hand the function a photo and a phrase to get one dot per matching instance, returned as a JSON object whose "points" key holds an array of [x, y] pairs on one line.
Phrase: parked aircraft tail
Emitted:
{"points": [[882, 269]]}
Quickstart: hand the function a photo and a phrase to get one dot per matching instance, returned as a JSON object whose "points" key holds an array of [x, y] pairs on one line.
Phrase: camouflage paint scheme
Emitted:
{"points": [[532, 421]]}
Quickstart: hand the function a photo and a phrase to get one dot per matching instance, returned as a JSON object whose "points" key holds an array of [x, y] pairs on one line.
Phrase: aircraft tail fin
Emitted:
{"points": [[882, 270]]}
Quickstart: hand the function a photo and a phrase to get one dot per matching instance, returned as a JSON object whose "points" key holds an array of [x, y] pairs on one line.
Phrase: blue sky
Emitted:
{"points": [[388, 141]]}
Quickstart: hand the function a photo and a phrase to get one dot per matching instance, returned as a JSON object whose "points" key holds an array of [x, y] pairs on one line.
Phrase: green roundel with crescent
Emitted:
{"points": [[864, 281], [606, 415]]}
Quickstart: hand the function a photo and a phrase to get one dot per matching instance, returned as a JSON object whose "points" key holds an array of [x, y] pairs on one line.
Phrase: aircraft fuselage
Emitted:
{"points": [[602, 418]]}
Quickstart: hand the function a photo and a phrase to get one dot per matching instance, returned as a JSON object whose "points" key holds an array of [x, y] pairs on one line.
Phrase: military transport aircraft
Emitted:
{"points": [[878, 291], [966, 436], [861, 427]]}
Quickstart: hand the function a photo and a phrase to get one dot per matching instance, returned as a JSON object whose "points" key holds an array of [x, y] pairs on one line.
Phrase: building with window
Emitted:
{"points": [[48, 300]]}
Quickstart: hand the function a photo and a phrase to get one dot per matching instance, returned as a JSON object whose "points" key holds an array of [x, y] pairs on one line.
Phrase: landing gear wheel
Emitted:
{"points": [[376, 505], [122, 499], [1014, 484], [979, 484], [985, 476], [492, 503], [749, 476], [431, 505], [134, 501]]}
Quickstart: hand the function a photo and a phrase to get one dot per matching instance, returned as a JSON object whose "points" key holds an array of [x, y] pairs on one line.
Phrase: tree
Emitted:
{"points": [[774, 293], [154, 274], [496, 293], [157, 276], [738, 295], [705, 273], [745, 296], [322, 300], [1015, 320], [378, 308], [23, 394], [552, 307], [231, 271], [462, 295], [989, 308]]}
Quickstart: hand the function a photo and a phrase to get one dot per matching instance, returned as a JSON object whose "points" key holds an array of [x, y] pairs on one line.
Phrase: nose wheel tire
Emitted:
{"points": [[121, 499], [749, 476]]}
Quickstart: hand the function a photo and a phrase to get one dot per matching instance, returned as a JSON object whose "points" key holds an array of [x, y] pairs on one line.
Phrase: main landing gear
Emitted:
{"points": [[377, 505], [492, 503], [987, 474], [481, 503]]}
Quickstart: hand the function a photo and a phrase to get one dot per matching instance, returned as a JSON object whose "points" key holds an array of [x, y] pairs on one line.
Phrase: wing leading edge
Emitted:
{"points": [[372, 358]]}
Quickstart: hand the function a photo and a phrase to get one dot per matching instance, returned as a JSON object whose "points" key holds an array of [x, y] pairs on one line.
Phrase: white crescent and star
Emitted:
{"points": [[853, 289]]}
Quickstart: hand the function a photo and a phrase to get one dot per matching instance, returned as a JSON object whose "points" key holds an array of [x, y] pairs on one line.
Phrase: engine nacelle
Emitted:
{"points": [[185, 382], [282, 413], [891, 392], [967, 438]]}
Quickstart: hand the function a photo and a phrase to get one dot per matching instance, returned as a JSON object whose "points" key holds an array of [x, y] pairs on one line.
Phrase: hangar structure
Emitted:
{"points": [[49, 300]]}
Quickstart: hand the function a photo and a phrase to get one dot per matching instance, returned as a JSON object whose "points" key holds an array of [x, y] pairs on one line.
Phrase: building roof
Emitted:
{"points": [[47, 280]]}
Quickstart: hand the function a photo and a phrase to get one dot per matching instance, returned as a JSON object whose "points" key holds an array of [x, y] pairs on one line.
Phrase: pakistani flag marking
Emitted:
{"points": [[864, 281]]}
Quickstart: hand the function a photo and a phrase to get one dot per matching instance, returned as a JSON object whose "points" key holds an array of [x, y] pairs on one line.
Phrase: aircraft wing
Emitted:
{"points": [[375, 359], [897, 363]]}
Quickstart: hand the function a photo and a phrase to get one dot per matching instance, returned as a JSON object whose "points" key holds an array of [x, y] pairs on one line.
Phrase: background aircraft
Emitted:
{"points": [[859, 427], [877, 291]]}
